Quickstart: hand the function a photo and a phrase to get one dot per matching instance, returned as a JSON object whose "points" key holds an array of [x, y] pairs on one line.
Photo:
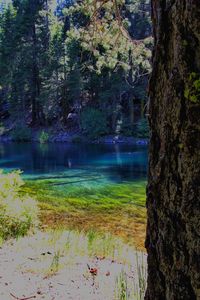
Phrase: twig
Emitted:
{"points": [[26, 298], [60, 283]]}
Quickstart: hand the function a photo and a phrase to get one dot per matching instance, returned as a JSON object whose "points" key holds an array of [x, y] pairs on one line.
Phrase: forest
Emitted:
{"points": [[55, 75], [99, 149]]}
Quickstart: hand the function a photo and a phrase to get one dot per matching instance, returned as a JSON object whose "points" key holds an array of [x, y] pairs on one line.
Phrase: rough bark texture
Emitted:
{"points": [[173, 193]]}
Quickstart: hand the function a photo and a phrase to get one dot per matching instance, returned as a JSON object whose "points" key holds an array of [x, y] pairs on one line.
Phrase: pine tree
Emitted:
{"points": [[173, 203]]}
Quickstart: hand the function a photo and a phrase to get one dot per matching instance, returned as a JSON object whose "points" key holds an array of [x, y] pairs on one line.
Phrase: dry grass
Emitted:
{"points": [[55, 264]]}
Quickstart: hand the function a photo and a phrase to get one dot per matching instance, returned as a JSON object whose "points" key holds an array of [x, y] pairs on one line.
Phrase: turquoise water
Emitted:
{"points": [[76, 164]]}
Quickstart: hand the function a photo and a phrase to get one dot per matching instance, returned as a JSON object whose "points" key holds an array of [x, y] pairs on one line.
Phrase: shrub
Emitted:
{"points": [[18, 213], [127, 129], [43, 137], [21, 134], [142, 129], [94, 122], [77, 139]]}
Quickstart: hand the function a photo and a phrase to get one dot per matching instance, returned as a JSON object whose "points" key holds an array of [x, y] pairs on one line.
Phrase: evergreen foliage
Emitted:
{"points": [[64, 58], [94, 122], [21, 134]]}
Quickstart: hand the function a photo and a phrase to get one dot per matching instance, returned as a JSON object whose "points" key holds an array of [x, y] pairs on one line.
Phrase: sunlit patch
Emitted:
{"points": [[118, 208], [63, 262], [17, 213]]}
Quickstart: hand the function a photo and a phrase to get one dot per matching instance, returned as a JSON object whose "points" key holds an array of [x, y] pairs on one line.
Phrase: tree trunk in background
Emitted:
{"points": [[131, 108], [65, 109], [173, 193], [142, 104], [35, 79]]}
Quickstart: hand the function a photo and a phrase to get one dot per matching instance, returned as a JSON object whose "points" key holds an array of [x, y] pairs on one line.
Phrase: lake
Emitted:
{"points": [[85, 162], [85, 186]]}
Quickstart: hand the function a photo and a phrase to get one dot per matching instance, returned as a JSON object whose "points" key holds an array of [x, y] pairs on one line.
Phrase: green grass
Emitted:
{"points": [[109, 196], [118, 208]]}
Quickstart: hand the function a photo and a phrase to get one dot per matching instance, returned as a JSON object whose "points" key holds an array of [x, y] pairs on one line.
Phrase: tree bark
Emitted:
{"points": [[173, 192]]}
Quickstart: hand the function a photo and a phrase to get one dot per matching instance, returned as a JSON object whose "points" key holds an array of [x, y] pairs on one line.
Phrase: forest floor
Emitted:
{"points": [[64, 265]]}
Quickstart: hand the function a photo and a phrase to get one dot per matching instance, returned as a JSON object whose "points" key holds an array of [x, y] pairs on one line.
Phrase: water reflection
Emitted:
{"points": [[115, 163]]}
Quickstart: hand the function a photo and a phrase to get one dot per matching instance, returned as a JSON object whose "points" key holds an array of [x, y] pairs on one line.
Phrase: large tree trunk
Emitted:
{"points": [[173, 204]]}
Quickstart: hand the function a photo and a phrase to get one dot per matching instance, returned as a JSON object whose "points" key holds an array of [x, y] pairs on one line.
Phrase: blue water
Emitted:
{"points": [[76, 163]]}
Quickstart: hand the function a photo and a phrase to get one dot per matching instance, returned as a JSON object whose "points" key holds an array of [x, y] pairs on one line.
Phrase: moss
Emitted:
{"points": [[196, 84], [193, 98], [192, 88], [192, 76], [187, 93], [185, 43], [181, 146]]}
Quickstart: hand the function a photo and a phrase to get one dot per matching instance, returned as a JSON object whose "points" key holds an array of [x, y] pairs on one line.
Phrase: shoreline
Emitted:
{"points": [[78, 139]]}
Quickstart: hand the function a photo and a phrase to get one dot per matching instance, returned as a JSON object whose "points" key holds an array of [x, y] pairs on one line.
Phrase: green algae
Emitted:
{"points": [[115, 208], [110, 196]]}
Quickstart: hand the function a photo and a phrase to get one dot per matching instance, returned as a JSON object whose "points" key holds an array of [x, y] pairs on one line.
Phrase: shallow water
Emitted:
{"points": [[76, 164], [85, 187]]}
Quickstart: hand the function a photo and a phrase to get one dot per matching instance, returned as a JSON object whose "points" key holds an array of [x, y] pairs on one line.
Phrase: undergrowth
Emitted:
{"points": [[17, 213]]}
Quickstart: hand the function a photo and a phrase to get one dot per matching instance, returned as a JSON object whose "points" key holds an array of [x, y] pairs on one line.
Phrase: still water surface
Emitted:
{"points": [[82, 164]]}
